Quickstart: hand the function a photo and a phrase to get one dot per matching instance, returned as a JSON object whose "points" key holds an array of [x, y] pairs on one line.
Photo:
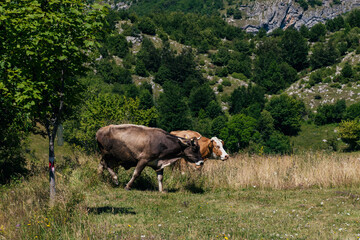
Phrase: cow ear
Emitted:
{"points": [[222, 142]]}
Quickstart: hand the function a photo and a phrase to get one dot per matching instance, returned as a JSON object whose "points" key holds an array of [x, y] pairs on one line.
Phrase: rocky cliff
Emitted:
{"points": [[274, 14]]}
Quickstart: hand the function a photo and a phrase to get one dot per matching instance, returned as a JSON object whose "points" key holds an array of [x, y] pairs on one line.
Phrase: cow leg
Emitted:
{"points": [[160, 179], [138, 169], [101, 167], [113, 175]]}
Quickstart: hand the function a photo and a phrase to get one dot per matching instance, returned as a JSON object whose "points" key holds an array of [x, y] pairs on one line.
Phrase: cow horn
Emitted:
{"points": [[198, 138], [184, 141]]}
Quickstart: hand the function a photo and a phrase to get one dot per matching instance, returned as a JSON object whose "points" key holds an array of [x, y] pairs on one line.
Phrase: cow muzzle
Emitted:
{"points": [[225, 158], [199, 163]]}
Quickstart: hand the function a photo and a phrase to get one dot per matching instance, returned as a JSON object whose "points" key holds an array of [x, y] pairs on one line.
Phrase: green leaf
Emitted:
{"points": [[62, 58], [88, 43]]}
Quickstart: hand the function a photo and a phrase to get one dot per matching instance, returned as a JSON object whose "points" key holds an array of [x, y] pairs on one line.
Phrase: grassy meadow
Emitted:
{"points": [[312, 195]]}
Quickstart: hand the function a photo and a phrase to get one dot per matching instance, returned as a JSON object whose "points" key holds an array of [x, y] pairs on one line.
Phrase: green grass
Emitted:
{"points": [[311, 137], [105, 212], [225, 201], [249, 214]]}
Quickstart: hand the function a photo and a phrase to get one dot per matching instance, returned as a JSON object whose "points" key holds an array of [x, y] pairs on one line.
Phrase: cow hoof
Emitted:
{"points": [[164, 191], [127, 188]]}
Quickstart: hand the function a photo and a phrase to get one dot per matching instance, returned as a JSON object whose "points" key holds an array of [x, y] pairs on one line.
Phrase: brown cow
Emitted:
{"points": [[137, 146], [209, 148]]}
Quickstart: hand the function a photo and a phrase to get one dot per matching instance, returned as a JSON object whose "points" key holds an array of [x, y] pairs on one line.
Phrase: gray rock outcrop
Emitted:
{"points": [[284, 13]]}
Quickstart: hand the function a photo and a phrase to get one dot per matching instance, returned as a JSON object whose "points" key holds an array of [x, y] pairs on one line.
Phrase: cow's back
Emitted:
{"points": [[186, 134], [127, 143]]}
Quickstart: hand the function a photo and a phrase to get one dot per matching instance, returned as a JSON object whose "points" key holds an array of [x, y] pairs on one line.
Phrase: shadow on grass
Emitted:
{"points": [[112, 210], [192, 187]]}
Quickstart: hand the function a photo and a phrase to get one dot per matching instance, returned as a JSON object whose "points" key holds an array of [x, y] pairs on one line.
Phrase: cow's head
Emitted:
{"points": [[217, 147], [191, 151]]}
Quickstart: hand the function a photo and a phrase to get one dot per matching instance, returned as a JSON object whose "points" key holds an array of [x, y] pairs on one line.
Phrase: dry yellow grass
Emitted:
{"points": [[87, 207], [311, 169]]}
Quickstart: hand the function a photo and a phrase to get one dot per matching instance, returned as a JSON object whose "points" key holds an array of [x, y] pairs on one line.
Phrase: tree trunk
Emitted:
{"points": [[52, 125], [52, 169]]}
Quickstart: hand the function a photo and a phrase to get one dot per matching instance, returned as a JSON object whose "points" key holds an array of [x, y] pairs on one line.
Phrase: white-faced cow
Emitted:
{"points": [[209, 148], [129, 145]]}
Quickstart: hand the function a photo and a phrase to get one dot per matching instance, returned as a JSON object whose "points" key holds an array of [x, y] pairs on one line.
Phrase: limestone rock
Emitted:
{"points": [[284, 13]]}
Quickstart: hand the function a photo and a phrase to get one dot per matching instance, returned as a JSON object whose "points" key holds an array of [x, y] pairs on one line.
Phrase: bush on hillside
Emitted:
{"points": [[218, 124], [330, 113], [244, 97], [278, 143], [238, 132], [112, 73], [349, 132], [352, 112], [287, 113], [324, 54], [317, 32], [147, 26], [117, 45]]}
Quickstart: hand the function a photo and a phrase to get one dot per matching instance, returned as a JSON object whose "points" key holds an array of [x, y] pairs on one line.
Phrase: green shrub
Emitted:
{"points": [[140, 68], [303, 4], [353, 112], [226, 83], [327, 80], [100, 111], [330, 113], [147, 26], [239, 76], [117, 45], [287, 113], [278, 143], [222, 72], [317, 31], [238, 132], [217, 124], [112, 73], [335, 85], [315, 77], [349, 132], [212, 82]]}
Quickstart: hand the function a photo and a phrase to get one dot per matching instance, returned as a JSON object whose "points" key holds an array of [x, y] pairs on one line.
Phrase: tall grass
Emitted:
{"points": [[306, 170], [81, 194]]}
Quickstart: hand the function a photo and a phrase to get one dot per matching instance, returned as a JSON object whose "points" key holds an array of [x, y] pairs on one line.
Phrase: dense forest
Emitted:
{"points": [[183, 68]]}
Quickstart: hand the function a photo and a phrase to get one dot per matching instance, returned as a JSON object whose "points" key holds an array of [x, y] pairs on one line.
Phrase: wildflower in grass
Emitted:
{"points": [[29, 224], [129, 225], [48, 225]]}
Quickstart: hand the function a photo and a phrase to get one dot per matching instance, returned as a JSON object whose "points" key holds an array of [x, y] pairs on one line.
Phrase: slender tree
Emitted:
{"points": [[45, 45]]}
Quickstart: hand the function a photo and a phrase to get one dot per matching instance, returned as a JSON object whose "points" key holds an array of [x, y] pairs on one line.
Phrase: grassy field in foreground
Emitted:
{"points": [[305, 196]]}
